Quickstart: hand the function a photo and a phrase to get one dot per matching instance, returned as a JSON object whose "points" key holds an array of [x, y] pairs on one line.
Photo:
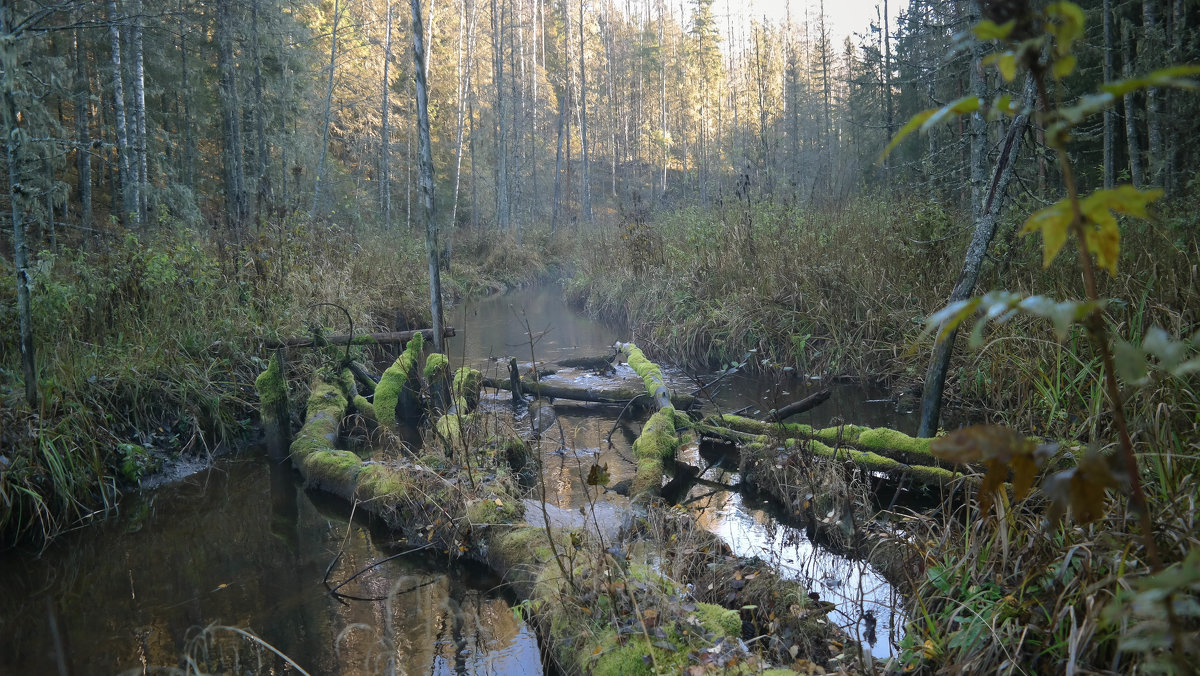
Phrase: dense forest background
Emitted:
{"points": [[144, 115]]}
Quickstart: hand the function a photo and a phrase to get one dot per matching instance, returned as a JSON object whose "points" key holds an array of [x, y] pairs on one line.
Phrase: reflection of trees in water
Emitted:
{"points": [[239, 546]]}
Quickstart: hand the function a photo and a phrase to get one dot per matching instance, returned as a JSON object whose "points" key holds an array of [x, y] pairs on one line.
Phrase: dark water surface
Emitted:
{"points": [[491, 330], [243, 545]]}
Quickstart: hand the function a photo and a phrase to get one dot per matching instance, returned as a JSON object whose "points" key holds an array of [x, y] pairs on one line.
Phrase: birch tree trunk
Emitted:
{"points": [[235, 186], [385, 160], [985, 230], [83, 143], [426, 170], [1131, 130], [1110, 115], [316, 204], [128, 194], [502, 212], [139, 116], [585, 188]]}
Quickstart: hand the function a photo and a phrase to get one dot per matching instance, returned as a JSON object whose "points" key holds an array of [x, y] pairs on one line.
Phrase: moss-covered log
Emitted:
{"points": [[607, 614], [467, 384], [437, 377], [275, 411], [649, 372], [883, 441], [871, 461], [390, 338], [599, 395], [399, 390]]}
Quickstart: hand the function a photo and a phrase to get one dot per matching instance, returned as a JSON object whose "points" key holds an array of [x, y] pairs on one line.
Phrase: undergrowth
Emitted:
{"points": [[845, 291], [148, 345]]}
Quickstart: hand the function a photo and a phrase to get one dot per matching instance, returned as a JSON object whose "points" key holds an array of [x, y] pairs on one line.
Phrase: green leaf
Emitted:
{"points": [[967, 104], [1054, 221], [1005, 62], [1066, 24], [1174, 76], [989, 30], [927, 118], [909, 127], [1064, 66], [1130, 362]]}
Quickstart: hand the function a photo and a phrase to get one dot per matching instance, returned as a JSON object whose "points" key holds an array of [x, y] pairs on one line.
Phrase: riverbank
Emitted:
{"points": [[845, 292], [148, 348]]}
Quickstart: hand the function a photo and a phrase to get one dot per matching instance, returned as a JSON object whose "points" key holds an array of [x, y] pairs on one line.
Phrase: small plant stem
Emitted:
{"points": [[1099, 335]]}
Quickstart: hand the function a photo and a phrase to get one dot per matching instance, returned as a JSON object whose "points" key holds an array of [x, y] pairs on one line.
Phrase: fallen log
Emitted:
{"points": [[488, 523], [618, 395], [399, 390], [276, 416], [806, 404], [389, 338], [764, 440]]}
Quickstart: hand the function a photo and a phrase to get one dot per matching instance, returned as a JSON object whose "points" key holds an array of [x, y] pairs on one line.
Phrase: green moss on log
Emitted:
{"points": [[657, 444], [365, 408], [272, 389], [495, 511], [437, 365], [467, 383], [394, 380], [380, 482], [334, 471]]}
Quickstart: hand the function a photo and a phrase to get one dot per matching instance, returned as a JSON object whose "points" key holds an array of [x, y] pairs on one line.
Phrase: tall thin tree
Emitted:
{"points": [[426, 170]]}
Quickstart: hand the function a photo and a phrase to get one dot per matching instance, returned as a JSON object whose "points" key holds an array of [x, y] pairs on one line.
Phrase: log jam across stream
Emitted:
{"points": [[244, 545]]}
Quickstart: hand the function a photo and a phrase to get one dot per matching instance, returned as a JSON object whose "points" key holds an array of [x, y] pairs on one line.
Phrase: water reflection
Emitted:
{"points": [[218, 548]]}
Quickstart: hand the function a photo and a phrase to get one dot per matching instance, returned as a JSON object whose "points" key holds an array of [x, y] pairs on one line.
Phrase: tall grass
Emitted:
{"points": [[154, 341], [845, 291]]}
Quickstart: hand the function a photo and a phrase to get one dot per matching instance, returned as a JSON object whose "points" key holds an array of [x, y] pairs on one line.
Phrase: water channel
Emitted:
{"points": [[243, 545]]}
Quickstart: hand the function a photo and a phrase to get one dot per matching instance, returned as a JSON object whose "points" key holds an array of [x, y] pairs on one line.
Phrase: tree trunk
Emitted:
{"points": [[83, 144], [985, 230], [14, 136], [316, 205], [1151, 54], [585, 185], [188, 157], [128, 201], [426, 178], [235, 187], [139, 116], [262, 181], [977, 124], [1131, 130], [1110, 115], [502, 135], [385, 160]]}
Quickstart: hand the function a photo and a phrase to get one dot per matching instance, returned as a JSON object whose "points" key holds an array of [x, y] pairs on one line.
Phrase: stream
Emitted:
{"points": [[243, 545]]}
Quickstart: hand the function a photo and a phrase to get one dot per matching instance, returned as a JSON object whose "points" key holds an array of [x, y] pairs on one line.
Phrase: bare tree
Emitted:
{"points": [[426, 179]]}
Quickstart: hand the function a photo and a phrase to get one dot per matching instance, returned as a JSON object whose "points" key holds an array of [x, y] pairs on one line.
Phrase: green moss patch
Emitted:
{"points": [[396, 383], [657, 444]]}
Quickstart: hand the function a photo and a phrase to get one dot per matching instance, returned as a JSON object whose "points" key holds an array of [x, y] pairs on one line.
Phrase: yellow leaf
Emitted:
{"points": [[909, 127], [1103, 238], [1054, 221], [989, 30], [1006, 63], [499, 502], [1064, 66]]}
